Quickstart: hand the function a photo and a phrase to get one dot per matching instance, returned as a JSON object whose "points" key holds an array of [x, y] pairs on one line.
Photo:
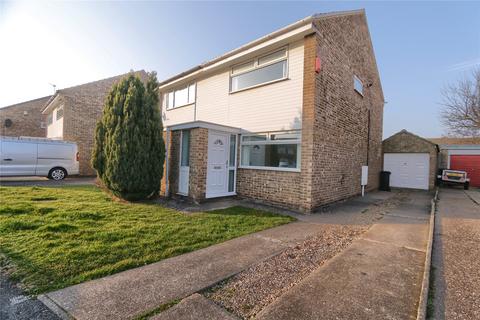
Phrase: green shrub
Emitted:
{"points": [[129, 149]]}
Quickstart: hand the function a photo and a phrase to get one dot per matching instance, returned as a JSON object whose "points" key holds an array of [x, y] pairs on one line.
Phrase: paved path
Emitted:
{"points": [[16, 306], [133, 292], [378, 277], [456, 256], [195, 307]]}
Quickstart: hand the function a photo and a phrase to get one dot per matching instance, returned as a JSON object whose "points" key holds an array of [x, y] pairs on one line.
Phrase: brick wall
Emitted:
{"points": [[83, 108], [340, 116], [26, 118], [406, 142], [276, 187], [198, 164]]}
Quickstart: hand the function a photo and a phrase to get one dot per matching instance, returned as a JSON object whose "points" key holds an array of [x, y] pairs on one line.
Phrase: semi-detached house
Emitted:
{"points": [[288, 119]]}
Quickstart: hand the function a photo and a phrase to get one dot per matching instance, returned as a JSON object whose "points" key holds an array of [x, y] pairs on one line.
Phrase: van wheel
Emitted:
{"points": [[57, 174]]}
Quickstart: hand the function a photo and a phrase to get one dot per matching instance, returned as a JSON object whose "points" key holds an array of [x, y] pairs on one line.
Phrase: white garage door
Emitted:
{"points": [[409, 170]]}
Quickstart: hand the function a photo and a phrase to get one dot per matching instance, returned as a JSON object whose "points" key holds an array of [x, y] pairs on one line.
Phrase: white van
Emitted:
{"points": [[27, 156]]}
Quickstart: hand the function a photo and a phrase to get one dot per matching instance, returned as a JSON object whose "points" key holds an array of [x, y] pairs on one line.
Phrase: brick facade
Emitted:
{"points": [[26, 118], [83, 107], [341, 129], [406, 142], [342, 136], [198, 164]]}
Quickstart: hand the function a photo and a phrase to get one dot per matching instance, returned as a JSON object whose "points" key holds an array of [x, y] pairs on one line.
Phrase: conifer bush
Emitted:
{"points": [[129, 150]]}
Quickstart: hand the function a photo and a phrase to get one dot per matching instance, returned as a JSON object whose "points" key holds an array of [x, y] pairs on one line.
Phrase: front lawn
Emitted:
{"points": [[56, 237]]}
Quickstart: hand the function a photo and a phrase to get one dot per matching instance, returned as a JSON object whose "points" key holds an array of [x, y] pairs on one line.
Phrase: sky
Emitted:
{"points": [[420, 47]]}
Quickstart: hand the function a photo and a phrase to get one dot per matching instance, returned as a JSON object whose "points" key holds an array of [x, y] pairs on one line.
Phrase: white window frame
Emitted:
{"points": [[172, 92], [256, 66], [355, 79], [50, 118], [233, 167], [56, 113], [268, 141]]}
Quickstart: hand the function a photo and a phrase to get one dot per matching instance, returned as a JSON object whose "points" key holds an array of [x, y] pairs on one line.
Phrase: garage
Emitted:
{"points": [[469, 163], [460, 154], [411, 159], [408, 170]]}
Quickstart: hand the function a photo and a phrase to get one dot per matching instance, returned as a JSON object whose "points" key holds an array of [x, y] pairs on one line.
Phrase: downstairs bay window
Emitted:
{"points": [[271, 151]]}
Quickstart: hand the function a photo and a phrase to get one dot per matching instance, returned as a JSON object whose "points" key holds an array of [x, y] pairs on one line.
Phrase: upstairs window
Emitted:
{"points": [[262, 70], [59, 113], [358, 85], [180, 97]]}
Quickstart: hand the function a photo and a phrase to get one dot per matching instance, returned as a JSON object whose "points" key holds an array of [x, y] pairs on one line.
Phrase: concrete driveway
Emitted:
{"points": [[456, 255], [378, 277]]}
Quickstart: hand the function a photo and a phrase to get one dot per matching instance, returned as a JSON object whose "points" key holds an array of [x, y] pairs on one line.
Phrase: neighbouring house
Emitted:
{"points": [[24, 119], [460, 154], [288, 119], [72, 114], [411, 159]]}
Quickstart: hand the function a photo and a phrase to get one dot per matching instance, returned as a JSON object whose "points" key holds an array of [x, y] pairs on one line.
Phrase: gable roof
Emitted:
{"points": [[403, 131], [98, 85], [41, 102], [305, 26]]}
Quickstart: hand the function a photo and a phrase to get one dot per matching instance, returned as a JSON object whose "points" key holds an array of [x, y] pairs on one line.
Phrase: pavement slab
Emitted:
{"points": [[378, 277], [195, 307], [400, 231], [456, 252], [369, 280]]}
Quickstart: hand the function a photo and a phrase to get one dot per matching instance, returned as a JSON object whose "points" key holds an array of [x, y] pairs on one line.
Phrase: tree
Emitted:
{"points": [[129, 150], [461, 106]]}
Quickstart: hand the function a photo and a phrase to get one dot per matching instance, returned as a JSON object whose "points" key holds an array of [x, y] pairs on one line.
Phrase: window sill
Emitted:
{"points": [[183, 106], [270, 168], [259, 85]]}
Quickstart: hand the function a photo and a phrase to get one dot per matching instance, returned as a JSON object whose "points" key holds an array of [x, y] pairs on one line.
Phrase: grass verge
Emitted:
{"points": [[57, 237]]}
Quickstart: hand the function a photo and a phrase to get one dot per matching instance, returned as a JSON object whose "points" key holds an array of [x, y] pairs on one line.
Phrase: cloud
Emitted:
{"points": [[465, 65]]}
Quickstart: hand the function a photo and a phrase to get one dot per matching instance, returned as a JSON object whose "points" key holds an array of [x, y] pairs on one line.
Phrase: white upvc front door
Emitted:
{"points": [[184, 165], [218, 165]]}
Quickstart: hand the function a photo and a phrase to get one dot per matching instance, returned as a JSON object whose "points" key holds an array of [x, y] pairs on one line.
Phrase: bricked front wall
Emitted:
{"points": [[406, 142], [28, 124]]}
